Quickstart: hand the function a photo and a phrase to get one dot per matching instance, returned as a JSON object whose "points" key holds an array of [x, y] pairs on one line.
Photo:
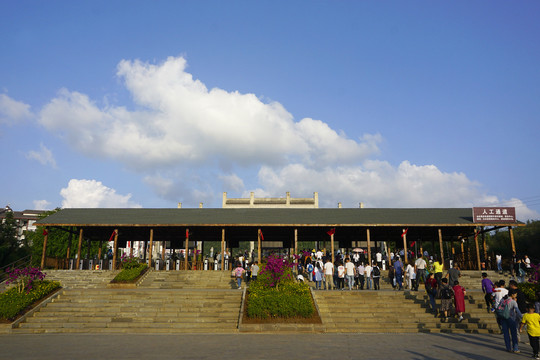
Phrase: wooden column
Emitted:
{"points": [[295, 246], [99, 250], [332, 246], [132, 245], [512, 240], [186, 250], [441, 247], [223, 249], [164, 247], [115, 253], [150, 247], [477, 249], [43, 254], [145, 248], [259, 246], [69, 244], [79, 248], [484, 245], [404, 235], [368, 236]]}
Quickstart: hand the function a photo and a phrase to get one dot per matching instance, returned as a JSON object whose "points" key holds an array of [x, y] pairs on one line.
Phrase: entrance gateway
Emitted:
{"points": [[338, 228]]}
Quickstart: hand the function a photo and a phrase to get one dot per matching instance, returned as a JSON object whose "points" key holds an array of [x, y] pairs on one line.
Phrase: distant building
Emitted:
{"points": [[23, 219], [267, 203]]}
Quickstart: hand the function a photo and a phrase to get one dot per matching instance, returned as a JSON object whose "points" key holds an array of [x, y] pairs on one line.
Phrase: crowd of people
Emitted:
{"points": [[513, 313], [355, 272], [351, 272]]}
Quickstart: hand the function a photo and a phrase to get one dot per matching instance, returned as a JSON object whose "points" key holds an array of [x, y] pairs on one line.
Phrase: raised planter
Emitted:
{"points": [[282, 327], [130, 285], [7, 328]]}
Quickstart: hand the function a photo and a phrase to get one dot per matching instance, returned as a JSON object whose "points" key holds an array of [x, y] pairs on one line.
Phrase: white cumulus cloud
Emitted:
{"points": [[93, 194], [190, 143], [44, 156], [179, 121], [13, 111], [379, 184]]}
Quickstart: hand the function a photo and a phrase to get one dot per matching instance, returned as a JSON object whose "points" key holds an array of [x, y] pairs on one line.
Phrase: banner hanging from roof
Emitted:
{"points": [[494, 214]]}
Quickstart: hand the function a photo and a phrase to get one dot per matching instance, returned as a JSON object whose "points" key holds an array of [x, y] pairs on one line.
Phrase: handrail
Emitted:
{"points": [[22, 262]]}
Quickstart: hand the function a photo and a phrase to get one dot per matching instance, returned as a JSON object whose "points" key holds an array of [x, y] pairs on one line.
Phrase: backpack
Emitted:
{"points": [[376, 271], [503, 310], [309, 268], [446, 293]]}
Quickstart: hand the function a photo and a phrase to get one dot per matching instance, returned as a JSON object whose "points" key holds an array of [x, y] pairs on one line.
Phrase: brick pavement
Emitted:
{"points": [[257, 346]]}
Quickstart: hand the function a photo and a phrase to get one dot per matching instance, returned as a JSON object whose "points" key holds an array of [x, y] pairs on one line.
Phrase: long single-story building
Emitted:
{"points": [[282, 226]]}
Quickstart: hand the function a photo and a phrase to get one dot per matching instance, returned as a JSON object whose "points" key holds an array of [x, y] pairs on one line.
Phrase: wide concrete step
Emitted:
{"points": [[126, 311]]}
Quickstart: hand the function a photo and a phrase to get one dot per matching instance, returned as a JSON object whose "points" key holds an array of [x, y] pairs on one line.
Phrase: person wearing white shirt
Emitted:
{"points": [[350, 269], [498, 258], [498, 293], [409, 271], [367, 272], [420, 267], [378, 256], [329, 274]]}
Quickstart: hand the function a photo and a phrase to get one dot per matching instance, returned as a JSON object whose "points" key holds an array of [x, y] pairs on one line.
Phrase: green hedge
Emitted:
{"points": [[12, 303], [131, 274], [290, 300]]}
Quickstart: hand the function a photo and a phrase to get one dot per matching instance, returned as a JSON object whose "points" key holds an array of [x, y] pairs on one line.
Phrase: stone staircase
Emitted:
{"points": [[137, 311], [81, 279], [396, 312], [189, 280], [208, 301]]}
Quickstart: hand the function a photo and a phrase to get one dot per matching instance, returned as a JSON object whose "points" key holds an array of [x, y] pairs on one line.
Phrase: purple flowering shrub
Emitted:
{"points": [[277, 270], [24, 278], [275, 294], [535, 274]]}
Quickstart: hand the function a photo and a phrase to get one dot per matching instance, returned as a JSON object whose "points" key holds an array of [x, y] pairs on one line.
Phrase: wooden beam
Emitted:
{"points": [[368, 235], [69, 244], [477, 249], [150, 247], [163, 249], [485, 247], [259, 246], [79, 248], [223, 249], [441, 246], [332, 247], [512, 240], [186, 249], [43, 254], [115, 253], [295, 247]]}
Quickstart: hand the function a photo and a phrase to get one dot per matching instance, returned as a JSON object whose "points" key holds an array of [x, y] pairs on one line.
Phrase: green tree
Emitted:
{"points": [[526, 239], [58, 241], [11, 249]]}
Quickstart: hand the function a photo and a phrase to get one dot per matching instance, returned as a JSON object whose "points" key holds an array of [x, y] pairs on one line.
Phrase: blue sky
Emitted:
{"points": [[393, 104]]}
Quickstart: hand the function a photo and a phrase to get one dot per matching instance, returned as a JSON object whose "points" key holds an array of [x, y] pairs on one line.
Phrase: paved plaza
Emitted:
{"points": [[258, 346]]}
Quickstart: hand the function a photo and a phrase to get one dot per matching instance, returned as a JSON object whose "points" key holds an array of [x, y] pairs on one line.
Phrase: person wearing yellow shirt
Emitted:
{"points": [[438, 270], [532, 320]]}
